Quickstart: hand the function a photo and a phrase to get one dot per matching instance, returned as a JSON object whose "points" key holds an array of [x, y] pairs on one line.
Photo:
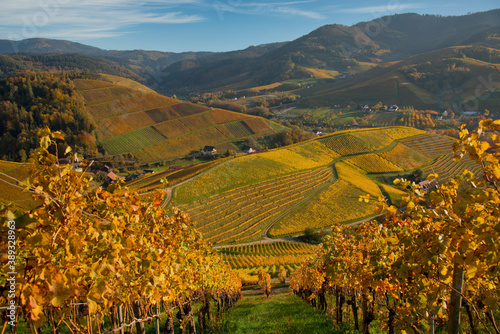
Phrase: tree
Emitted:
{"points": [[102, 248], [431, 260]]}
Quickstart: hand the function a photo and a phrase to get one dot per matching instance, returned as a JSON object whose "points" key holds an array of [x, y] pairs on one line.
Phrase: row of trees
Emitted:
{"points": [[424, 266], [108, 250]]}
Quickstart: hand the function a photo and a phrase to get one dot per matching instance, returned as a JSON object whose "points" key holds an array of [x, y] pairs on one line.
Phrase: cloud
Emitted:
{"points": [[380, 9], [90, 18], [269, 8]]}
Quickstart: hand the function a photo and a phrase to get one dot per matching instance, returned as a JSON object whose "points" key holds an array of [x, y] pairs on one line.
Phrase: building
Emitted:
{"points": [[209, 151], [248, 149]]}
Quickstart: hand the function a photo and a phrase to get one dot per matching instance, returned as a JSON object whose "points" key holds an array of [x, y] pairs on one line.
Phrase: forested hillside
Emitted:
{"points": [[33, 101]]}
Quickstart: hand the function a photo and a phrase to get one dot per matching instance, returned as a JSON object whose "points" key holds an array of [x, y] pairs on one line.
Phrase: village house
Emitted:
{"points": [[426, 185], [209, 151], [248, 149], [391, 107]]}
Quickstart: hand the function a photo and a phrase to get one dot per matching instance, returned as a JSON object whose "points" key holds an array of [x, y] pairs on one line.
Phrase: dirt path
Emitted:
{"points": [[169, 190]]}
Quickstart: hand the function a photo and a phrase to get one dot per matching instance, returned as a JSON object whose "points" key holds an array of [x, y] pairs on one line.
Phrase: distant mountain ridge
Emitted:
{"points": [[338, 47], [343, 49], [148, 61]]}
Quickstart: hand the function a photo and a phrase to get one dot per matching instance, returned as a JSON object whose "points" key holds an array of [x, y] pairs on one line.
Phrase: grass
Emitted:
{"points": [[278, 314]]}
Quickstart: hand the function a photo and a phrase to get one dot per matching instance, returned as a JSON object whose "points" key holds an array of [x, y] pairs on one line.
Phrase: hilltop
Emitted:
{"points": [[118, 115], [154, 127], [313, 184], [345, 49], [444, 78]]}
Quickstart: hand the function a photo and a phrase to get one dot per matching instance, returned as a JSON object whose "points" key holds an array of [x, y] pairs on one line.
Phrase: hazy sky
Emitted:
{"points": [[199, 25]]}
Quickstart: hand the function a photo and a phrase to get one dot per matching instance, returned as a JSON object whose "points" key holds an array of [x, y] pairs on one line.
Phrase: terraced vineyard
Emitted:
{"points": [[235, 201], [254, 168], [273, 254], [133, 119], [406, 157], [431, 145], [373, 163], [339, 203], [346, 144], [240, 215], [447, 168]]}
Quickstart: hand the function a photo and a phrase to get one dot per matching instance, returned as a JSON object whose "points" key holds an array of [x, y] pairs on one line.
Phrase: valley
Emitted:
{"points": [[356, 170]]}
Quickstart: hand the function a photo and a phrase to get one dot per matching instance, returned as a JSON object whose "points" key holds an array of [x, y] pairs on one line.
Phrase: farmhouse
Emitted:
{"points": [[111, 177], [426, 185], [391, 107], [209, 150], [366, 109], [248, 149]]}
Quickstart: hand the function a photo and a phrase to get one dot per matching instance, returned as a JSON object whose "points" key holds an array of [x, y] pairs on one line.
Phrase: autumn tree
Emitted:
{"points": [[105, 249]]}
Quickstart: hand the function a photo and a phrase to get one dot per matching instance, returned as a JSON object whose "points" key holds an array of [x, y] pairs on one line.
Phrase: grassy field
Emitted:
{"points": [[278, 314]]}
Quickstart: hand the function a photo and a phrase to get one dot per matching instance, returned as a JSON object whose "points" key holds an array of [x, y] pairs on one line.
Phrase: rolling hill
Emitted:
{"points": [[446, 78], [131, 118], [312, 184], [340, 48]]}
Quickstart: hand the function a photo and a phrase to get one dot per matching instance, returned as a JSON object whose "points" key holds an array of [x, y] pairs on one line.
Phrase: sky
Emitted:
{"points": [[200, 25]]}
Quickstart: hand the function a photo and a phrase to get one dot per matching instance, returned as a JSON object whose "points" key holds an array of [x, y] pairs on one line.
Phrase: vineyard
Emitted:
{"points": [[346, 144], [269, 256], [239, 129], [339, 203], [254, 168], [405, 157], [133, 119], [357, 177], [373, 163], [415, 118], [257, 125], [133, 140], [240, 215], [10, 191], [423, 268], [446, 167], [221, 220], [93, 261], [376, 140], [431, 145]]}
